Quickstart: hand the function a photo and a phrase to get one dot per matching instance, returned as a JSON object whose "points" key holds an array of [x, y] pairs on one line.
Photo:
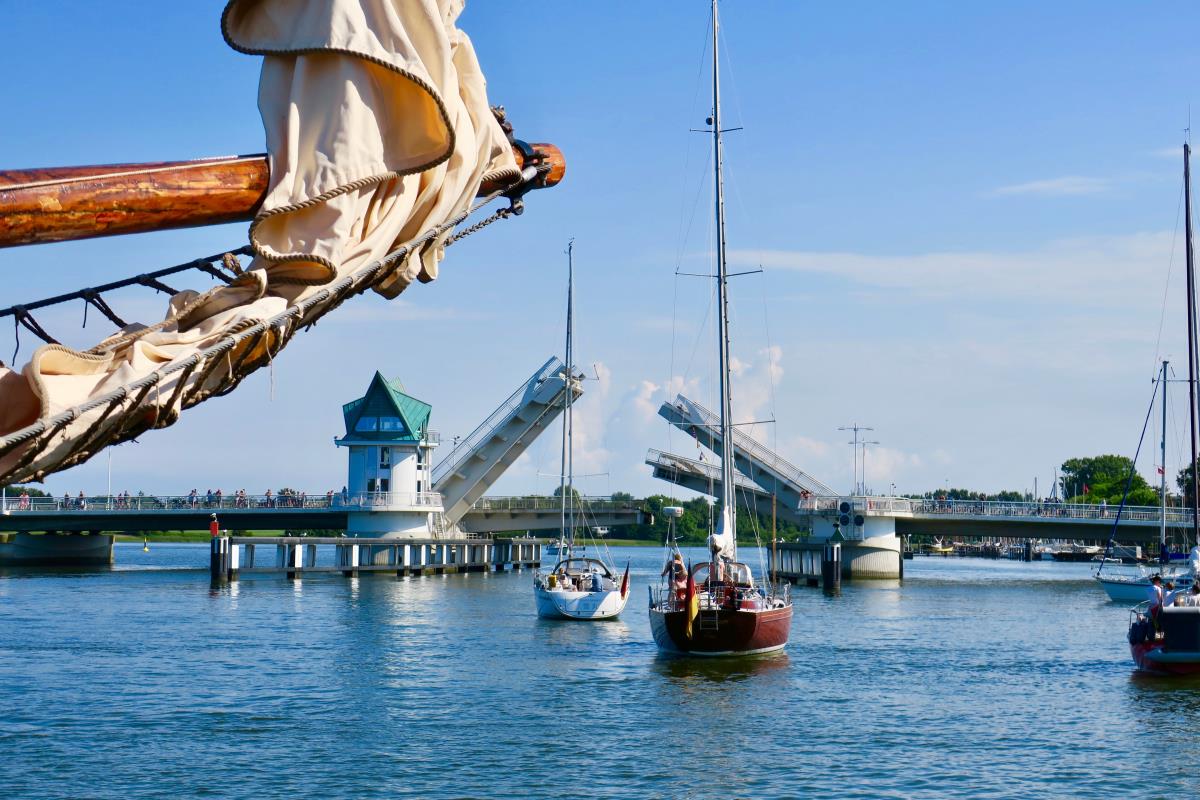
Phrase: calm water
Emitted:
{"points": [[972, 679]]}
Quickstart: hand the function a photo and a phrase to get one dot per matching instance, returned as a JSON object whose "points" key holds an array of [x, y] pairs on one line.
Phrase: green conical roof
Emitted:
{"points": [[386, 413]]}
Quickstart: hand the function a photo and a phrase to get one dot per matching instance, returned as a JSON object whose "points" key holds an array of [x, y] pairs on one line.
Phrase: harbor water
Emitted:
{"points": [[971, 678]]}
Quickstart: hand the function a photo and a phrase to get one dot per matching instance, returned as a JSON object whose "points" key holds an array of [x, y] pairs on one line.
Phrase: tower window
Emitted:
{"points": [[385, 457]]}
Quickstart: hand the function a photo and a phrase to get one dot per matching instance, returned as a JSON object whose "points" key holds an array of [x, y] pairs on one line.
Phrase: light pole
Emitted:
{"points": [[864, 465], [856, 428]]}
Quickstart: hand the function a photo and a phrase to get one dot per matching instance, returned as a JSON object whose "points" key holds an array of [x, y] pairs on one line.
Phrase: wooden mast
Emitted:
{"points": [[64, 203]]}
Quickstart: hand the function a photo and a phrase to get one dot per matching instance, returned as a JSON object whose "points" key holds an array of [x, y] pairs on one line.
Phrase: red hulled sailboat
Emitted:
{"points": [[716, 608]]}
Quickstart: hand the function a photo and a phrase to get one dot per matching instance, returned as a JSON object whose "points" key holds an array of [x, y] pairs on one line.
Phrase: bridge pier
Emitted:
{"points": [[54, 548]]}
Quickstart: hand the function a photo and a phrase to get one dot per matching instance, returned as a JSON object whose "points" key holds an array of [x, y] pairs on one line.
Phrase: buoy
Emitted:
{"points": [[146, 545]]}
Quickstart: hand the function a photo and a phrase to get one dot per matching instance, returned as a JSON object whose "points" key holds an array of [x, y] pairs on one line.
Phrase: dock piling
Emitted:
{"points": [[831, 568]]}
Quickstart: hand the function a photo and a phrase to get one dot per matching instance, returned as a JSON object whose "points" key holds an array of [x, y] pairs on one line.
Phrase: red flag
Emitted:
{"points": [[1085, 489], [1160, 471], [625, 581]]}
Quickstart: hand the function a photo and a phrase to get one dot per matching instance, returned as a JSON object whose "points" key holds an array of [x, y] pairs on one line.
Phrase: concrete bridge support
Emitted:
{"points": [[53, 548]]}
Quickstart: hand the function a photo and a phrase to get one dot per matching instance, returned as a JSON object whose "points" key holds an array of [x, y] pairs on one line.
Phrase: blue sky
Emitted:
{"points": [[967, 213]]}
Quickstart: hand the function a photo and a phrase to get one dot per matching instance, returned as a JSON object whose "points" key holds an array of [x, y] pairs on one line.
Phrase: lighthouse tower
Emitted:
{"points": [[389, 485]]}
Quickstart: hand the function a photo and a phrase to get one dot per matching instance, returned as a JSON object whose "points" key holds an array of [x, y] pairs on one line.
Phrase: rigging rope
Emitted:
{"points": [[1128, 482], [39, 434]]}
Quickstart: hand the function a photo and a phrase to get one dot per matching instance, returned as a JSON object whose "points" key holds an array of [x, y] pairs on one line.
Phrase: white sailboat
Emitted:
{"points": [[577, 588]]}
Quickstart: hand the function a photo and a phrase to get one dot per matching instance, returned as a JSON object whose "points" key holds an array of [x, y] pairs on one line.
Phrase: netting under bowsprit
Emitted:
{"points": [[33, 446]]}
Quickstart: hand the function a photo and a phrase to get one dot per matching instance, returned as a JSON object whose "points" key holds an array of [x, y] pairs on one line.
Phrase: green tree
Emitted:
{"points": [[15, 491], [574, 493], [1184, 481], [1105, 478]]}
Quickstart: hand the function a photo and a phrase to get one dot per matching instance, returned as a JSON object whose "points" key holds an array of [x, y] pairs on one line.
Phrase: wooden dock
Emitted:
{"points": [[294, 556]]}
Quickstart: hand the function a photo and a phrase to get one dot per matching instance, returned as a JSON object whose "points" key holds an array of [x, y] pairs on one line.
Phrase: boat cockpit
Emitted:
{"points": [[581, 575]]}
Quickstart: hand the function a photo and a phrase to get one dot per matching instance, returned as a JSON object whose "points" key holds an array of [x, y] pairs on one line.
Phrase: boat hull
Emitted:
{"points": [[558, 604], [1135, 589], [723, 632], [1152, 657]]}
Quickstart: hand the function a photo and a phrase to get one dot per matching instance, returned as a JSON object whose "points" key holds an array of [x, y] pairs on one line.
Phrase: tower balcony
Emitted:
{"points": [[395, 501]]}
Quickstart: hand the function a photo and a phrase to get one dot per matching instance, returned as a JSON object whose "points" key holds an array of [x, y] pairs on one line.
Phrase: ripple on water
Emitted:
{"points": [[970, 679]]}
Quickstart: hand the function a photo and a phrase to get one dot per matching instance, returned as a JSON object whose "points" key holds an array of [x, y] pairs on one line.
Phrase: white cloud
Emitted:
{"points": [[1095, 270], [1058, 187]]}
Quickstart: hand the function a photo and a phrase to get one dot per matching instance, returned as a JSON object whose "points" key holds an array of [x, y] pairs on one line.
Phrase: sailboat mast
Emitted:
{"points": [[1162, 528], [567, 470], [1191, 312], [728, 522]]}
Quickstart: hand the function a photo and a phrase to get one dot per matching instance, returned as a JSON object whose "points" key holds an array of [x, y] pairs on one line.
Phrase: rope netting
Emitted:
{"points": [[155, 399]]}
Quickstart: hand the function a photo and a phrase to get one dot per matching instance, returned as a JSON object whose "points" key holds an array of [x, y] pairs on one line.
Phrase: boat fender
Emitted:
{"points": [[1139, 631]]}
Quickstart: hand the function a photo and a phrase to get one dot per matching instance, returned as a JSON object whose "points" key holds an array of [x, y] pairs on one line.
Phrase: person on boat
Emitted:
{"points": [[1155, 592], [677, 571], [716, 569], [597, 582], [1168, 597], [1193, 597], [1194, 559]]}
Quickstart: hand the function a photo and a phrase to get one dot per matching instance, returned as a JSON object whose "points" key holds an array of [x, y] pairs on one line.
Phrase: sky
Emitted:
{"points": [[967, 216]]}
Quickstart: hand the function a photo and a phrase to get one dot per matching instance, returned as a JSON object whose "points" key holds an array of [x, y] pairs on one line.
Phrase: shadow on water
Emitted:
{"points": [[56, 571], [718, 670]]}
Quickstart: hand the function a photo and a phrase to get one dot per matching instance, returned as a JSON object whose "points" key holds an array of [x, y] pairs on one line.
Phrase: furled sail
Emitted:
{"points": [[379, 134]]}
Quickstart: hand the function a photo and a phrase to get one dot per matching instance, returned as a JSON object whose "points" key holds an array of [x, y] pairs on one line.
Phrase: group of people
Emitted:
{"points": [[1162, 595], [589, 582]]}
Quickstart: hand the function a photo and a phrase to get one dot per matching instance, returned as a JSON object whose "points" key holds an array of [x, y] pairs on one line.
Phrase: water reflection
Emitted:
{"points": [[717, 670]]}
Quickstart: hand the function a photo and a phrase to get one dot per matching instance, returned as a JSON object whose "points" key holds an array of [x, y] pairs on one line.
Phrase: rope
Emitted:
{"points": [[1129, 482], [357, 280]]}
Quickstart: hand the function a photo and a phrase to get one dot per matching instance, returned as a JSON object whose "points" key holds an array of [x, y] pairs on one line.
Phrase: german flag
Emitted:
{"points": [[691, 602]]}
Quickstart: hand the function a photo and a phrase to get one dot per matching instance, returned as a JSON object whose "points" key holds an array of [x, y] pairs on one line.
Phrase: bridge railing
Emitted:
{"points": [[543, 503], [1083, 511], [184, 502], [998, 508], [336, 500]]}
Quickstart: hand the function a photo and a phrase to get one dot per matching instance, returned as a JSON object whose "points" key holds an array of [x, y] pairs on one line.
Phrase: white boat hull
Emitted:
{"points": [[559, 604], [1136, 588]]}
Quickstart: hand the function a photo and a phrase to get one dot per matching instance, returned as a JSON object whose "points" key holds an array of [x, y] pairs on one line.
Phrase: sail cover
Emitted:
{"points": [[378, 130]]}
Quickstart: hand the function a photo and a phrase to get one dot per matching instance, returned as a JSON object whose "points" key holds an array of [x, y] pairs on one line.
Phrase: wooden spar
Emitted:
{"points": [[64, 203]]}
